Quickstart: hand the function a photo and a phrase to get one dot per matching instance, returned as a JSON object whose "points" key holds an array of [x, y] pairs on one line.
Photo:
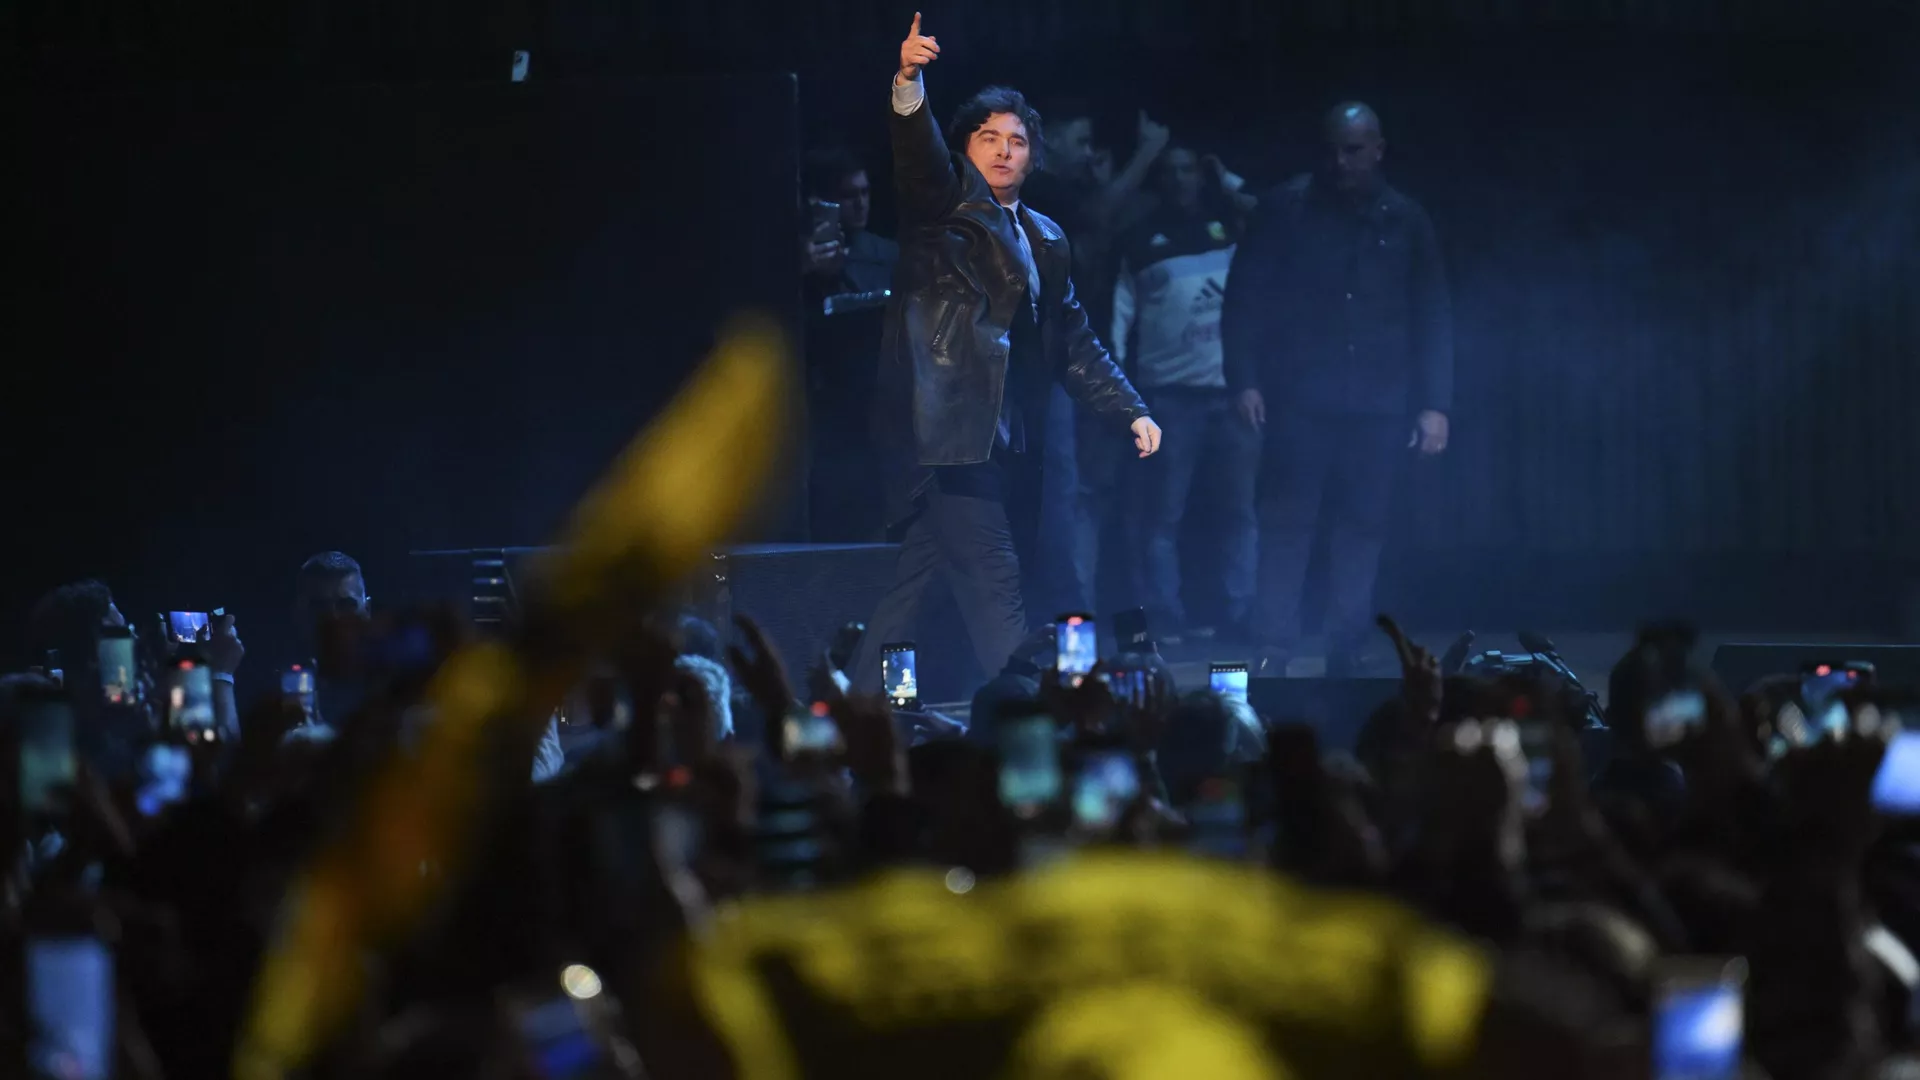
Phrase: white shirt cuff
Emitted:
{"points": [[909, 97]]}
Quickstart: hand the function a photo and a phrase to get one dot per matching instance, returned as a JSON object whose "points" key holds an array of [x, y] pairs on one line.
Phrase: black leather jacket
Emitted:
{"points": [[943, 365]]}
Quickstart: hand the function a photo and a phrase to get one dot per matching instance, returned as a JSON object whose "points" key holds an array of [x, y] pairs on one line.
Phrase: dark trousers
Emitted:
{"points": [[1202, 432], [1348, 463], [962, 533]]}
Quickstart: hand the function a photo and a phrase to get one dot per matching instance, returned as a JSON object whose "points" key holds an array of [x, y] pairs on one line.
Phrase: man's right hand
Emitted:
{"points": [[1253, 408], [824, 260], [916, 52]]}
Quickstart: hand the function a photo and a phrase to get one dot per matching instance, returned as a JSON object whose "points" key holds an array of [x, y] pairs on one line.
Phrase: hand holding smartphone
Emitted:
{"points": [[1674, 716], [45, 761], [1108, 783], [187, 627], [1228, 680], [119, 672], [70, 1003], [1896, 786], [1029, 763], [1076, 647], [1699, 1019], [810, 733], [190, 701], [900, 674]]}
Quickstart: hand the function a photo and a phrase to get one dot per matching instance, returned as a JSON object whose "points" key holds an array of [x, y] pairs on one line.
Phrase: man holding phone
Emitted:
{"points": [[73, 619], [976, 333], [844, 259]]}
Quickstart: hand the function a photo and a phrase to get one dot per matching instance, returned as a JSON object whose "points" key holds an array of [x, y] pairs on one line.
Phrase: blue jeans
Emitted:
{"points": [[1199, 427]]}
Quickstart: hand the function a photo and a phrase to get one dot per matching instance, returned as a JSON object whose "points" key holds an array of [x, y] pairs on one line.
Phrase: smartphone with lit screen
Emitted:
{"points": [[900, 674], [561, 1037], [1217, 821], [1822, 682], [1674, 716], [1076, 647], [811, 732], [1108, 782], [190, 701], [1228, 680], [1029, 763], [70, 1002], [1129, 686], [187, 627], [1896, 786], [1536, 743], [296, 685], [1699, 1018], [119, 680], [47, 764]]}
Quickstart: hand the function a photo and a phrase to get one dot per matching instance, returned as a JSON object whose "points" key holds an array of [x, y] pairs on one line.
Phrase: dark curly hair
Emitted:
{"points": [[69, 618], [974, 113]]}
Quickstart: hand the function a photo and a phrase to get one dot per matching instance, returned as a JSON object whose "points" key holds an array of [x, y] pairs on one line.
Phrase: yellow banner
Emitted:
{"points": [[1142, 964]]}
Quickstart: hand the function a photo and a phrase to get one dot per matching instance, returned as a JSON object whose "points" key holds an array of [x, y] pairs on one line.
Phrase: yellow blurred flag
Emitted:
{"points": [[684, 484]]}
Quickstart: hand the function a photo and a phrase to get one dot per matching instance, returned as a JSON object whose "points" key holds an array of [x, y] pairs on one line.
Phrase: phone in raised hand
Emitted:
{"points": [[900, 674], [1228, 680], [1076, 646], [190, 701], [187, 627], [1896, 786], [1674, 716], [1823, 681], [1029, 763], [119, 672], [810, 732], [1217, 820], [1108, 782], [45, 761], [1699, 1018], [825, 218], [70, 1006]]}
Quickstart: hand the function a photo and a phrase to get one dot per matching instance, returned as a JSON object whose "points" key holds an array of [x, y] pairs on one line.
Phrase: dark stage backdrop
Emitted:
{"points": [[256, 322], [1682, 235], [1686, 277]]}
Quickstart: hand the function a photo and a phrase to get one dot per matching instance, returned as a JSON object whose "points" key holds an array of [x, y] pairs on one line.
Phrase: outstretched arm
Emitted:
{"points": [[922, 167], [1095, 381]]}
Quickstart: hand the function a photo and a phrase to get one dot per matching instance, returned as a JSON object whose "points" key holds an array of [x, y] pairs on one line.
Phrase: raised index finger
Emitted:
{"points": [[915, 32]]}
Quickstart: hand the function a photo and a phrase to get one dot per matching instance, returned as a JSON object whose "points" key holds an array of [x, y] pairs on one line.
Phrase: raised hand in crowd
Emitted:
{"points": [[760, 670]]}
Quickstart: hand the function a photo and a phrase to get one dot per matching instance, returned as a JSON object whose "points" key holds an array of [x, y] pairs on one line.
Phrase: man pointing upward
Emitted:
{"points": [[983, 319]]}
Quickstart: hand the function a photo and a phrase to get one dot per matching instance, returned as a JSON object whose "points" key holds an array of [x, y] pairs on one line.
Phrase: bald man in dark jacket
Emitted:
{"points": [[1338, 338]]}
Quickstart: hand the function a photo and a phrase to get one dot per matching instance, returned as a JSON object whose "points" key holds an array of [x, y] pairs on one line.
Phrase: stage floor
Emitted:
{"points": [[1590, 654]]}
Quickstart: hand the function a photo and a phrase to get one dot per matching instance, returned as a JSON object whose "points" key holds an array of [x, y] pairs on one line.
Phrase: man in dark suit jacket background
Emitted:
{"points": [[982, 321], [1337, 325]]}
